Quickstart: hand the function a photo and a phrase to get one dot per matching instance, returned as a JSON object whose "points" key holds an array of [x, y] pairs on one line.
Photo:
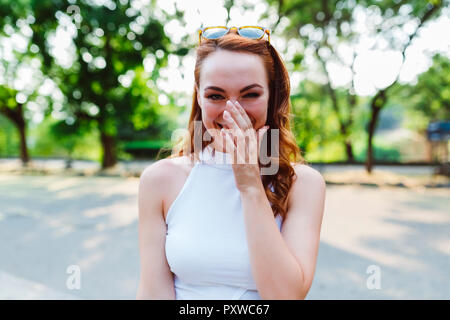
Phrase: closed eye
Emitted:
{"points": [[214, 95], [254, 94], [249, 95]]}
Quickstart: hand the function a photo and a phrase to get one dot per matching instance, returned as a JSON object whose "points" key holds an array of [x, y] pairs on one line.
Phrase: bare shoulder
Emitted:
{"points": [[308, 185], [308, 174], [161, 170], [157, 172]]}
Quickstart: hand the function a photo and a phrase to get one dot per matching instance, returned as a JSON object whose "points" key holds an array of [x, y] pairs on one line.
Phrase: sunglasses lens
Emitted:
{"points": [[253, 33], [214, 33]]}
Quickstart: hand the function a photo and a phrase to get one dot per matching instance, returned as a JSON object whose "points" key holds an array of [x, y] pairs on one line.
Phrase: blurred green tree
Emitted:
{"points": [[20, 80], [323, 25], [104, 57], [9, 106], [110, 42], [421, 13], [429, 99], [14, 111], [320, 24]]}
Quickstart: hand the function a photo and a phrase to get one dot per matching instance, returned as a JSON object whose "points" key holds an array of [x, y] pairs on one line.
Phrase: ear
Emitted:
{"points": [[198, 95]]}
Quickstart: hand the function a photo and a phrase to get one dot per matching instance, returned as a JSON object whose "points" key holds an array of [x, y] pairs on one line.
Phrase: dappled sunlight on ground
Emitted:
{"points": [[400, 230], [49, 222], [380, 176]]}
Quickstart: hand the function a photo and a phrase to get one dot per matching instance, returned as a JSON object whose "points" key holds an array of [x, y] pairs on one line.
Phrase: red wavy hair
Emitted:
{"points": [[278, 116]]}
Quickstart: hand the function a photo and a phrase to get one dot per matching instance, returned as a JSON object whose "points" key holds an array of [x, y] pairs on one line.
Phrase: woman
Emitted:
{"points": [[211, 227]]}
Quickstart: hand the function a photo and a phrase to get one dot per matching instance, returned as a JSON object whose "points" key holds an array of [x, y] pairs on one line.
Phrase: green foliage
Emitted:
{"points": [[383, 149], [313, 125], [312, 22], [110, 46], [9, 138], [107, 89], [333, 151], [146, 148], [54, 138], [429, 99], [148, 144], [381, 153]]}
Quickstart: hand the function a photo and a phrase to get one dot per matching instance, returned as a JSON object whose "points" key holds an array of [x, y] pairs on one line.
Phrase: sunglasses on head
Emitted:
{"points": [[251, 32]]}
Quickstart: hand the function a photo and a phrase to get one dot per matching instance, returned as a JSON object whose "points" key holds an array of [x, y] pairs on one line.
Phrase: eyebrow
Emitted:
{"points": [[242, 90]]}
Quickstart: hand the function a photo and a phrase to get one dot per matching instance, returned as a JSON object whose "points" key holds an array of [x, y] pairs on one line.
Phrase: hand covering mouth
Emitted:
{"points": [[220, 126]]}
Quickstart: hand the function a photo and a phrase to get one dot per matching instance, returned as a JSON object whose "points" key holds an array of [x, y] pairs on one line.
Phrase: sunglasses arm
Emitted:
{"points": [[268, 34], [199, 36]]}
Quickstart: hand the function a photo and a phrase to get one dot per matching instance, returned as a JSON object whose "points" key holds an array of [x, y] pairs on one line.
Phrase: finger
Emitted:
{"points": [[244, 115], [229, 143], [241, 148], [252, 149], [236, 114], [236, 130]]}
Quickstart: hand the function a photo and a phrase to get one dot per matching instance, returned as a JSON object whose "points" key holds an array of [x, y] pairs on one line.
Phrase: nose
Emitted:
{"points": [[235, 28], [233, 101]]}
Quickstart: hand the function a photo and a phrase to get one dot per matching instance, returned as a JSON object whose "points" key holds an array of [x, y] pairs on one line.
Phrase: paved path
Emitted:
{"points": [[48, 223]]}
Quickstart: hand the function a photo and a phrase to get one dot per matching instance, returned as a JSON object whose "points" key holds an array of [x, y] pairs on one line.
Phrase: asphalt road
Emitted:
{"points": [[49, 223]]}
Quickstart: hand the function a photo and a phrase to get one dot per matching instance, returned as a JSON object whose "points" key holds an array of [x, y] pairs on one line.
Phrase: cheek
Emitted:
{"points": [[257, 110], [210, 112]]}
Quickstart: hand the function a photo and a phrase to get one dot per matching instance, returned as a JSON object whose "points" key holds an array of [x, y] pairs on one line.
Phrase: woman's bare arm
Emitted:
{"points": [[156, 279]]}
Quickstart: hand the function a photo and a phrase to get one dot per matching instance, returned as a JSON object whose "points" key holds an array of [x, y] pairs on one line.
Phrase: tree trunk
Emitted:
{"points": [[369, 156], [109, 158], [379, 100], [24, 156], [352, 101], [343, 128], [343, 125], [16, 117], [349, 151], [377, 103]]}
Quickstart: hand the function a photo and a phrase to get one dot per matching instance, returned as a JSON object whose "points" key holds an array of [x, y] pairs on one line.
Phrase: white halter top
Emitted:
{"points": [[206, 245]]}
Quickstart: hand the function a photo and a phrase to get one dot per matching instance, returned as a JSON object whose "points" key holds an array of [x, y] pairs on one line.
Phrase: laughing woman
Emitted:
{"points": [[211, 226]]}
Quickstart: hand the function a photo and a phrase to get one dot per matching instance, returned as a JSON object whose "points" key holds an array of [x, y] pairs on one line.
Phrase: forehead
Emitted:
{"points": [[227, 68]]}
